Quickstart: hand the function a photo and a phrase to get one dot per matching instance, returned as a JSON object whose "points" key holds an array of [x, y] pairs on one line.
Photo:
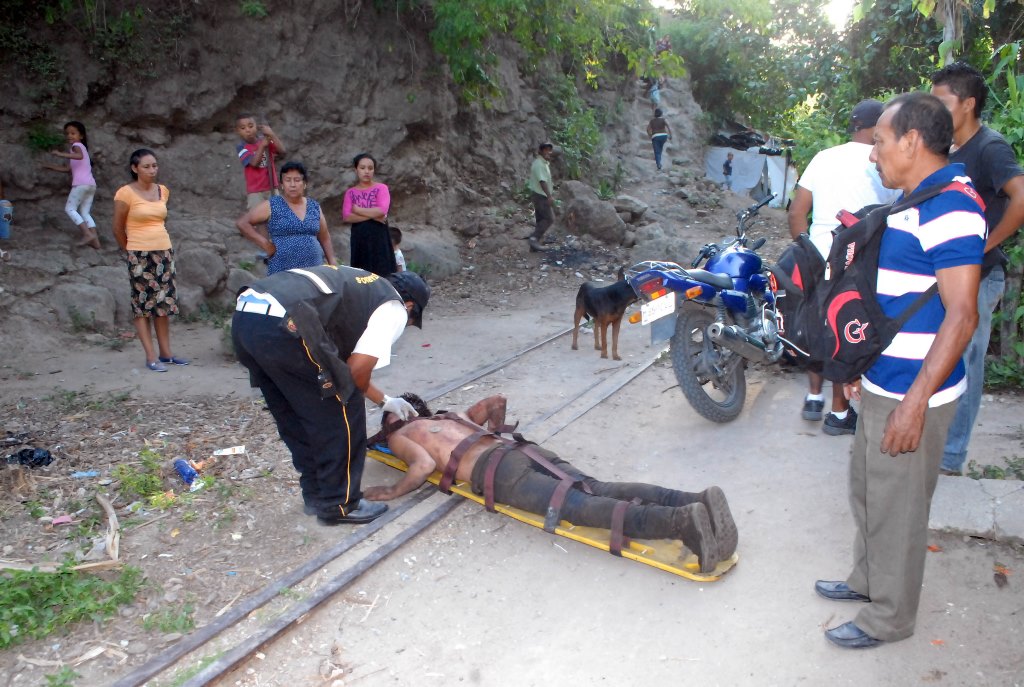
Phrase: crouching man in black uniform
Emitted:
{"points": [[310, 339]]}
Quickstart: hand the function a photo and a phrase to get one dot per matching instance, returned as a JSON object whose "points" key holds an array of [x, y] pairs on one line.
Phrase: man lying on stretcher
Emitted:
{"points": [[467, 447]]}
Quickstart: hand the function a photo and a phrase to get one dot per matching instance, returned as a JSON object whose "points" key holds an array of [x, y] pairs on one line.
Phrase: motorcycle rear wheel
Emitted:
{"points": [[711, 377]]}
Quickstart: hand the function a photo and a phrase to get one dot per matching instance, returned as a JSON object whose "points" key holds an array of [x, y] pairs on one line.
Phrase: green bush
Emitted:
{"points": [[42, 138], [254, 9], [574, 126], [588, 39], [144, 481]]}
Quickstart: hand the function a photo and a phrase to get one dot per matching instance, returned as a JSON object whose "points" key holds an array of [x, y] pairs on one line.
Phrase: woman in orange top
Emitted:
{"points": [[140, 209]]}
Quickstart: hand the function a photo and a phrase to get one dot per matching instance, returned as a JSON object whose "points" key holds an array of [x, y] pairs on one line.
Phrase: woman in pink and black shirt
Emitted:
{"points": [[366, 208]]}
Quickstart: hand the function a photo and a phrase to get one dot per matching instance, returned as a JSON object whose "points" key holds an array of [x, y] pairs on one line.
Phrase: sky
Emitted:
{"points": [[838, 11]]}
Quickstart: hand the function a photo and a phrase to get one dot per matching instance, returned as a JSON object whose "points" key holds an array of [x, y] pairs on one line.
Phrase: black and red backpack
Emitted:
{"points": [[829, 311]]}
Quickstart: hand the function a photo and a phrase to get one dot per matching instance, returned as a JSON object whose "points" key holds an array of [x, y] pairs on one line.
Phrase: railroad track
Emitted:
{"points": [[387, 533]]}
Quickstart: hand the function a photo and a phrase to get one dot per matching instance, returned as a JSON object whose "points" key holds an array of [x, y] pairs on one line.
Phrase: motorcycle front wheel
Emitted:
{"points": [[711, 377]]}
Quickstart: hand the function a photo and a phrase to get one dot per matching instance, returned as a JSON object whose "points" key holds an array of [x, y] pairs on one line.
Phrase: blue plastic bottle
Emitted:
{"points": [[187, 472]]}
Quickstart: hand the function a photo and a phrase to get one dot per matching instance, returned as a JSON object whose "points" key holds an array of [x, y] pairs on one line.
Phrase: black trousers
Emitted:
{"points": [[327, 438], [543, 214], [522, 483]]}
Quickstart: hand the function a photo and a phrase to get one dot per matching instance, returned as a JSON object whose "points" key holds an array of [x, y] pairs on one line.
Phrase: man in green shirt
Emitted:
{"points": [[542, 193]]}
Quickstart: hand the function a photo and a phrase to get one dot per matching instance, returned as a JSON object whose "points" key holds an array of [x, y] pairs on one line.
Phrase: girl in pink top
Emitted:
{"points": [[83, 185], [366, 208]]}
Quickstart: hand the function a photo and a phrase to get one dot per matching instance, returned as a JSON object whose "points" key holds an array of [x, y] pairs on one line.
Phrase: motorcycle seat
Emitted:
{"points": [[721, 281]]}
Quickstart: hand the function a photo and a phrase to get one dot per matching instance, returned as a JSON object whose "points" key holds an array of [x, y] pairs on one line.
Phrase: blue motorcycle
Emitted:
{"points": [[718, 318]]}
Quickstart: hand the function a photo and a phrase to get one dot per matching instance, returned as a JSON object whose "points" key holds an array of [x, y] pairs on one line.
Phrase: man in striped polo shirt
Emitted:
{"points": [[908, 396]]}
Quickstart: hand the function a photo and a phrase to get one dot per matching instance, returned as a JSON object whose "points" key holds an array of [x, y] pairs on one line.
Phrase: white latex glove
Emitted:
{"points": [[400, 407]]}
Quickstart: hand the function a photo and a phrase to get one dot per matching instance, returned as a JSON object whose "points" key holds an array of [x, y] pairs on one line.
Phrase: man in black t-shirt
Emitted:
{"points": [[992, 166]]}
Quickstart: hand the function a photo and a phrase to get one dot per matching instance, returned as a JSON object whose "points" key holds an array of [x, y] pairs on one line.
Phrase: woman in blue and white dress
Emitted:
{"points": [[297, 227]]}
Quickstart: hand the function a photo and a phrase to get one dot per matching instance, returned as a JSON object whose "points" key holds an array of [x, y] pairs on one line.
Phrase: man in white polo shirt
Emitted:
{"points": [[838, 178]]}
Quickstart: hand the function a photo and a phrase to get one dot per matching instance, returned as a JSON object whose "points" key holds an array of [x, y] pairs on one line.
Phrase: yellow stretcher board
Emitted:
{"points": [[665, 554]]}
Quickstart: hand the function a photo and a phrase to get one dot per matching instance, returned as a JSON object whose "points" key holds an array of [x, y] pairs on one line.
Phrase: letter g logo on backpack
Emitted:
{"points": [[854, 331]]}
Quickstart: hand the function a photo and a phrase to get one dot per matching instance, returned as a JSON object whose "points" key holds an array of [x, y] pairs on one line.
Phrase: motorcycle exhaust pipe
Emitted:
{"points": [[736, 340]]}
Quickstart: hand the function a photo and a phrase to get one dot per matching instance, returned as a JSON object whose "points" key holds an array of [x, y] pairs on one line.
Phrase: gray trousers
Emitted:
{"points": [[890, 499]]}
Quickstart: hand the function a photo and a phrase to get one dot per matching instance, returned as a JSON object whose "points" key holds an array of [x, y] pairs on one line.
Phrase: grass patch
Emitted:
{"points": [[82, 322], [86, 529], [35, 604], [109, 401], [143, 480], [171, 619], [212, 314], [65, 399], [1014, 470], [1004, 373], [35, 509], [65, 677], [420, 269], [189, 673]]}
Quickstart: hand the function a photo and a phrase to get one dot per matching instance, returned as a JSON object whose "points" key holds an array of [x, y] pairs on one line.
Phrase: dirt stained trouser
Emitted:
{"points": [[522, 483], [326, 437]]}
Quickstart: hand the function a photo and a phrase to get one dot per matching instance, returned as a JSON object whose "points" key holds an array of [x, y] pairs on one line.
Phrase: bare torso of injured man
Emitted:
{"points": [[469, 447]]}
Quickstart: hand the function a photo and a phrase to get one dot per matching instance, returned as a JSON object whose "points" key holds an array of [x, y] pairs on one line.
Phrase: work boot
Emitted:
{"points": [[535, 246], [698, 535], [722, 523]]}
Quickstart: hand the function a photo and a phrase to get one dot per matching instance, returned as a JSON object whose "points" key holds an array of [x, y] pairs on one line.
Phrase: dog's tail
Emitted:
{"points": [[581, 307]]}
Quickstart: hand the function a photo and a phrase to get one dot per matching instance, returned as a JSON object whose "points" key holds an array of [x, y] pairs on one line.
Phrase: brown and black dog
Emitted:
{"points": [[605, 305]]}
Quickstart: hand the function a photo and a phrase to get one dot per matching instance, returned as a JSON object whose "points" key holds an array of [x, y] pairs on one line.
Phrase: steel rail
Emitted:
{"points": [[271, 591], [241, 651], [443, 389], [583, 411]]}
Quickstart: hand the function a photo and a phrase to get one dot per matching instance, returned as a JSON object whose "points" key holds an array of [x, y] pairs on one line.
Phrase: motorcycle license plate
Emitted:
{"points": [[658, 308]]}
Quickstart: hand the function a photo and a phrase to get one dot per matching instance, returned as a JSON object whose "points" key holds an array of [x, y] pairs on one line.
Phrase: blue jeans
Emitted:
{"points": [[989, 294], [658, 141], [6, 215]]}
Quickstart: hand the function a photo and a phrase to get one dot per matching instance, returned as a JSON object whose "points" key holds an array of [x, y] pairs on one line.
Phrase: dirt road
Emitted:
{"points": [[483, 600], [479, 599]]}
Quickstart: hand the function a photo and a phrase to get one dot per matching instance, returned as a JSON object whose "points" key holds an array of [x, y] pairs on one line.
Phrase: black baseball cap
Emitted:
{"points": [[865, 114], [411, 287]]}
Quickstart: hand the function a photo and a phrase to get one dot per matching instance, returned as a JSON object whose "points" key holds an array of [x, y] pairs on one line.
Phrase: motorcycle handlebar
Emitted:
{"points": [[764, 202], [700, 256]]}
